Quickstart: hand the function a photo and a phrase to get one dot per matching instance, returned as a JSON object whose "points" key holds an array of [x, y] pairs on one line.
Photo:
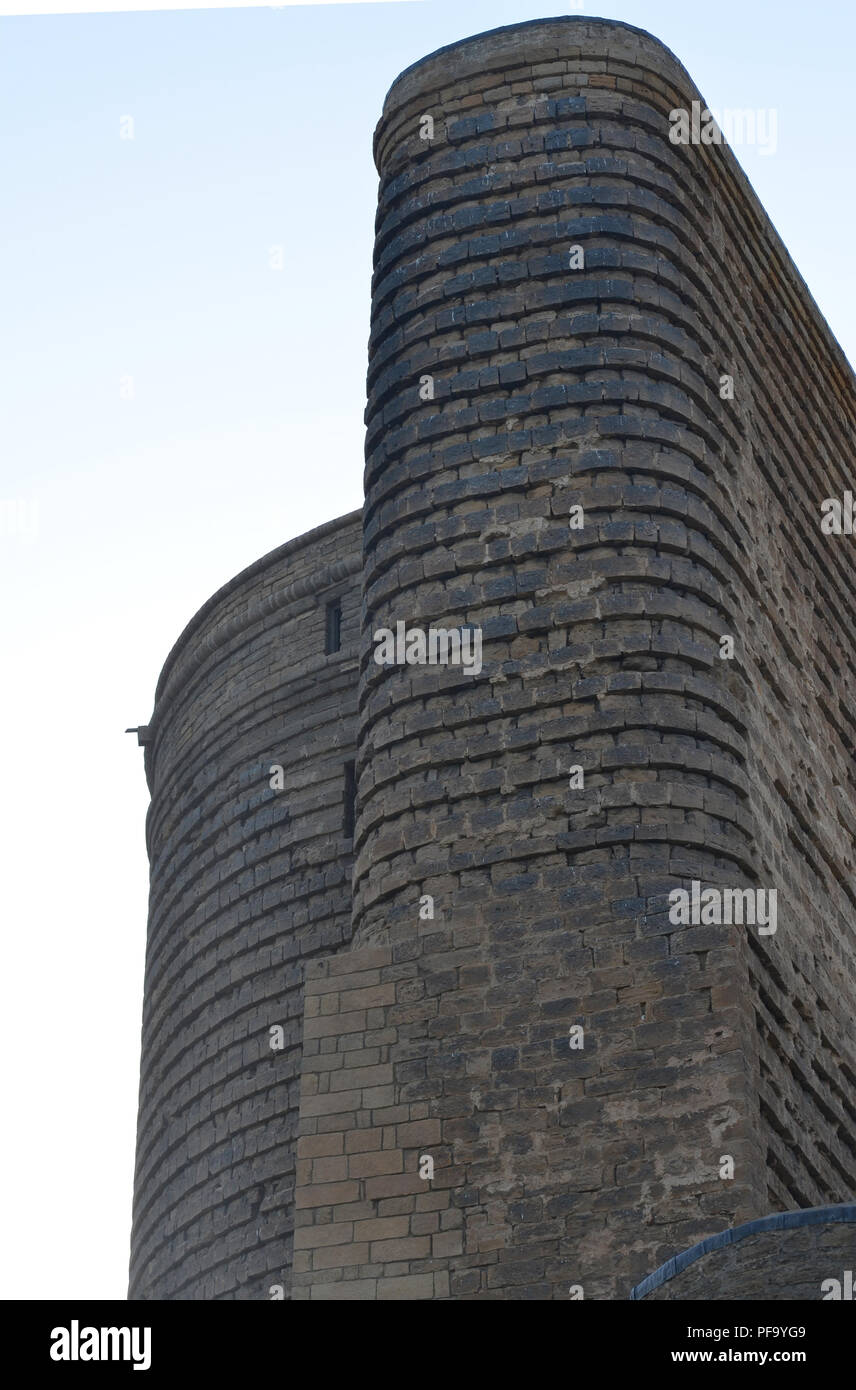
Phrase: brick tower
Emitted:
{"points": [[604, 415]]}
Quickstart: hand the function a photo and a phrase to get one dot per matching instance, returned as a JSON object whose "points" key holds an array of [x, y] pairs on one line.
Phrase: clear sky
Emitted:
{"points": [[172, 407]]}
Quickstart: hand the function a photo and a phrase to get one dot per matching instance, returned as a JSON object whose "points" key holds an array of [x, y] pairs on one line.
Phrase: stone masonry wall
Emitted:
{"points": [[367, 1225], [599, 387], [452, 1143], [247, 883]]}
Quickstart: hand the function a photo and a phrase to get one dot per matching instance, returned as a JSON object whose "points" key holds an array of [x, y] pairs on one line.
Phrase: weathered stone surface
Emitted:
{"points": [[247, 883], [600, 387], [449, 1037]]}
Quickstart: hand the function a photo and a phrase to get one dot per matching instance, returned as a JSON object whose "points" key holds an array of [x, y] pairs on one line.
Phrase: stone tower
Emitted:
{"points": [[604, 418]]}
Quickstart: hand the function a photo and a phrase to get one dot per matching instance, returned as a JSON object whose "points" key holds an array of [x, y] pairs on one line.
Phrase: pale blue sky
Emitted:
{"points": [[150, 258]]}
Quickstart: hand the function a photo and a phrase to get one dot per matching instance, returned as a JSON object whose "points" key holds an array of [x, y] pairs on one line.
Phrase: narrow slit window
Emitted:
{"points": [[350, 800], [333, 636]]}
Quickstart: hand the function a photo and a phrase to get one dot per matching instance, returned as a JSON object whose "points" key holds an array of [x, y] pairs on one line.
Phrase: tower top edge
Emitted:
{"points": [[245, 576], [532, 38]]}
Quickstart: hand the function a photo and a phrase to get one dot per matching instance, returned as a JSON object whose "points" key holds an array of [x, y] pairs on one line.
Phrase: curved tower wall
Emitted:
{"points": [[601, 387], [247, 883]]}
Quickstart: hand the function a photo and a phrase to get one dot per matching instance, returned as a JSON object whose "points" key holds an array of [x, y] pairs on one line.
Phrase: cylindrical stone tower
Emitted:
{"points": [[249, 839], [606, 664], [563, 491], [562, 298]]}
